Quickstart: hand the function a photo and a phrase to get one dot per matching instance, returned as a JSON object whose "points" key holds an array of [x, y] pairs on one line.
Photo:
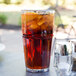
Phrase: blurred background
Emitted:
{"points": [[10, 20]]}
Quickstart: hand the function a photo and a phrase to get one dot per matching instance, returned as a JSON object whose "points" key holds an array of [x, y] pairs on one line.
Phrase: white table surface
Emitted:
{"points": [[12, 64]]}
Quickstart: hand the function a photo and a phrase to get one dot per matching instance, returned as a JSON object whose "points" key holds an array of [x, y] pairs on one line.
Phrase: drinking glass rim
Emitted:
{"points": [[39, 11], [73, 40]]}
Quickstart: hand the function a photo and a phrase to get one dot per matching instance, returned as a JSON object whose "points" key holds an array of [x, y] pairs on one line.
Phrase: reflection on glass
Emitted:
{"points": [[63, 57], [37, 74]]}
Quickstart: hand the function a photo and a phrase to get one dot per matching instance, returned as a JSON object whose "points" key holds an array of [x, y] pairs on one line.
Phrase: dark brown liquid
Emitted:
{"points": [[37, 52]]}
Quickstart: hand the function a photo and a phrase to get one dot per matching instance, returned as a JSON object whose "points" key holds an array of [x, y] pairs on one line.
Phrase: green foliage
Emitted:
{"points": [[1, 1], [7, 1], [3, 19], [32, 1], [57, 20], [19, 1], [19, 21], [63, 2], [12, 17], [45, 2], [74, 2]]}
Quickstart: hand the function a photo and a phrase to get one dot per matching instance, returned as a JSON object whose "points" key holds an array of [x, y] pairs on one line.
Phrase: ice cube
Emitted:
{"points": [[40, 16], [64, 65], [33, 25], [44, 26], [41, 21], [30, 16], [49, 19]]}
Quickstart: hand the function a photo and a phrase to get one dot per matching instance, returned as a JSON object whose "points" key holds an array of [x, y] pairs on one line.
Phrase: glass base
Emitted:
{"points": [[37, 70]]}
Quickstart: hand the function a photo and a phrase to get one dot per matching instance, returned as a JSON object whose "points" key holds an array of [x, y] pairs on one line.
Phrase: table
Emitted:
{"points": [[12, 64], [2, 47]]}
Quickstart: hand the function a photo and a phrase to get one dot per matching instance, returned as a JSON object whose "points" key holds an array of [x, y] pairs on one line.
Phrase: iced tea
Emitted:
{"points": [[37, 29]]}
